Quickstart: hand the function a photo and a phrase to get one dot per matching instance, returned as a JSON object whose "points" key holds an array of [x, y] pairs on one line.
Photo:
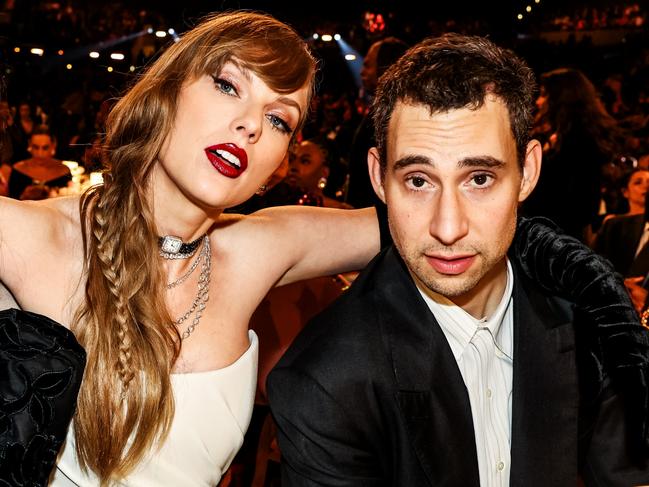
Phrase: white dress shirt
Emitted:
{"points": [[483, 350]]}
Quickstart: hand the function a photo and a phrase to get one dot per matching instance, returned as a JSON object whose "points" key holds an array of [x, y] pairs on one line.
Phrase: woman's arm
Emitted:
{"points": [[319, 241]]}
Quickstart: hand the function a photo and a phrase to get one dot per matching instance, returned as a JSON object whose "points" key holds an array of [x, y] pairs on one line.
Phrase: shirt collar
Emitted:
{"points": [[458, 326]]}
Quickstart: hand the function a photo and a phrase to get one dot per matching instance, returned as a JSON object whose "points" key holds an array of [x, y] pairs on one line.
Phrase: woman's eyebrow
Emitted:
{"points": [[290, 102]]}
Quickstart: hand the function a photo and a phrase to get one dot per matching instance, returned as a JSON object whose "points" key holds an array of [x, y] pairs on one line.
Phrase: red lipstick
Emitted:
{"points": [[228, 159]]}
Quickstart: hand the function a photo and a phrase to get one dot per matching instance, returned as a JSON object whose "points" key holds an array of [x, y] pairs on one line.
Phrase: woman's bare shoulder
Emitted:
{"points": [[67, 206], [40, 251], [31, 231], [253, 238]]}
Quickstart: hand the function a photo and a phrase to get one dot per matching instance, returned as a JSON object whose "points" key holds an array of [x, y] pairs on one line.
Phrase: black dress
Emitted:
{"points": [[41, 366], [46, 172], [569, 187]]}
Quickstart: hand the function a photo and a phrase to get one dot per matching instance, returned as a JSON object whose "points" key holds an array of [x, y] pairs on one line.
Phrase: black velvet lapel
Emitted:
{"points": [[545, 392], [431, 394]]}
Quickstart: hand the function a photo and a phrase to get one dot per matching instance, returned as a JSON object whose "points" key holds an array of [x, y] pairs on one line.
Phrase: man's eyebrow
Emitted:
{"points": [[411, 160], [481, 161], [473, 161]]}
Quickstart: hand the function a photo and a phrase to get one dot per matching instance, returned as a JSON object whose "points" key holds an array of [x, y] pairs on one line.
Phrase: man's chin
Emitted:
{"points": [[451, 286]]}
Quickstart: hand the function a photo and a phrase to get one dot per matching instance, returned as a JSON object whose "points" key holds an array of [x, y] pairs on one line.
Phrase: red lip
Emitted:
{"points": [[450, 265], [224, 166]]}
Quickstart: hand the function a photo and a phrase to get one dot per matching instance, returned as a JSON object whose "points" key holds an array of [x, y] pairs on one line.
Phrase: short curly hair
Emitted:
{"points": [[455, 71]]}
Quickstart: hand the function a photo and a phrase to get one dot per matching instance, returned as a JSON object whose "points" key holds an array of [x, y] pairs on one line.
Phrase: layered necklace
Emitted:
{"points": [[174, 248]]}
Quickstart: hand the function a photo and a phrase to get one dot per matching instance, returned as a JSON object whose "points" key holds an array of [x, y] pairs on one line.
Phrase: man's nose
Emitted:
{"points": [[449, 222]]}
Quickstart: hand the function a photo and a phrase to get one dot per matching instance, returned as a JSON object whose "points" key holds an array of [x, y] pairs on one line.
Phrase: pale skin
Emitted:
{"points": [[452, 186], [41, 256]]}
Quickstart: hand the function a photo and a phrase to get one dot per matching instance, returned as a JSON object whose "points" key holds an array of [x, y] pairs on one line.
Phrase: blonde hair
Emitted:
{"points": [[123, 323]]}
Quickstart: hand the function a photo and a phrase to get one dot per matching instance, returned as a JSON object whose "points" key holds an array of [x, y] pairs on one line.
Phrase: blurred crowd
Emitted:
{"points": [[593, 107], [600, 98], [621, 15]]}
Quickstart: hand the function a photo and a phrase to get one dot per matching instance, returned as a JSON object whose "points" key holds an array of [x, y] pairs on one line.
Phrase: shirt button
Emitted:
{"points": [[500, 465], [488, 392]]}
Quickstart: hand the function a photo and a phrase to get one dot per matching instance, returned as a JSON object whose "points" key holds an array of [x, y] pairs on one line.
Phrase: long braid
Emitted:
{"points": [[124, 312], [106, 254]]}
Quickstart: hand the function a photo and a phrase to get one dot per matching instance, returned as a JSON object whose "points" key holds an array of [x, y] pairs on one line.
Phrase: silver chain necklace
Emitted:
{"points": [[200, 302], [194, 265]]}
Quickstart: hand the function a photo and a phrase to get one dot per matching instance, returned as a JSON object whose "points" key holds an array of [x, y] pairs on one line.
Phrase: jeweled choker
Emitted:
{"points": [[172, 247]]}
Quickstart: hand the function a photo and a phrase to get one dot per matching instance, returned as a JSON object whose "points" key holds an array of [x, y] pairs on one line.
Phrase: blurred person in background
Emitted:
{"points": [[34, 177], [623, 240], [316, 173], [579, 137], [633, 187], [25, 124], [380, 56]]}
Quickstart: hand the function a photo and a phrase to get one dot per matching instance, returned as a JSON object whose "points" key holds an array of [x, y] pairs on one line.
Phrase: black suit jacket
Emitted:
{"points": [[618, 240], [370, 395]]}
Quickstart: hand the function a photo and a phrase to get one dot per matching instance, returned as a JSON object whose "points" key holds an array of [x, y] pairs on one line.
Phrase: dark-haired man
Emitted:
{"points": [[444, 365]]}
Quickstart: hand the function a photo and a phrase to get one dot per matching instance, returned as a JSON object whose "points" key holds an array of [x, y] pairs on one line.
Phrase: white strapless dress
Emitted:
{"points": [[213, 410]]}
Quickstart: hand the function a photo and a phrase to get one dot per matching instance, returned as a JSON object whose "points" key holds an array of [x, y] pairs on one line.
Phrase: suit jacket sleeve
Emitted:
{"points": [[611, 459], [320, 444]]}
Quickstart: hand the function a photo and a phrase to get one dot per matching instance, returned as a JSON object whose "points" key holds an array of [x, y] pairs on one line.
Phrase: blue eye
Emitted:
{"points": [[279, 124], [225, 86]]}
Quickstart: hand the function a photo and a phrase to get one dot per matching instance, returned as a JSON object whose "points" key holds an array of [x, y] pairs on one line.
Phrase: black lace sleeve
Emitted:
{"points": [[564, 266], [41, 366]]}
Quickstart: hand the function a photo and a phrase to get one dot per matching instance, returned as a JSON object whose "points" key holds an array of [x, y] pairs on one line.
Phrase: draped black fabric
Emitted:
{"points": [[619, 344], [41, 366]]}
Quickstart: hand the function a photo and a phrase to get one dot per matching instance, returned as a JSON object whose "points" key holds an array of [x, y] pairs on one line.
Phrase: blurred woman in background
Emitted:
{"points": [[316, 173], [579, 138]]}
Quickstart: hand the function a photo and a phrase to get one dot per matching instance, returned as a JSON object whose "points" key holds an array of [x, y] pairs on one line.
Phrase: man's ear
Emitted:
{"points": [[374, 167], [531, 169]]}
